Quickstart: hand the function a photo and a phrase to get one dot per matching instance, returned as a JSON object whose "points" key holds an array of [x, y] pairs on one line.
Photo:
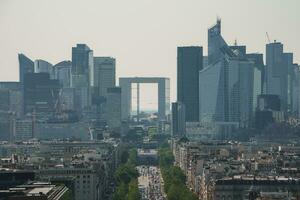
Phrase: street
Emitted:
{"points": [[150, 183]]}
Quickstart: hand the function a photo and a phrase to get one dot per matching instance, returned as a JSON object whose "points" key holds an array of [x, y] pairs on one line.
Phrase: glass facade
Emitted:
{"points": [[189, 63], [226, 85], [25, 66]]}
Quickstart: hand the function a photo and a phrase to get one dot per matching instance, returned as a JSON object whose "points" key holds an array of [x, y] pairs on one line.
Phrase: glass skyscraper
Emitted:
{"points": [[189, 63], [104, 74], [226, 84], [82, 66], [25, 66]]}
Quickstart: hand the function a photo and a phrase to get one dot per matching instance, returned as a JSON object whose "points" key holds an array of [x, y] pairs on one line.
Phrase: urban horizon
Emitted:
{"points": [[158, 103]]}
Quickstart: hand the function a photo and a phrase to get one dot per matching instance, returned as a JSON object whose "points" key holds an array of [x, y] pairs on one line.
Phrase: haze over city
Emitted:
{"points": [[149, 100], [142, 34]]}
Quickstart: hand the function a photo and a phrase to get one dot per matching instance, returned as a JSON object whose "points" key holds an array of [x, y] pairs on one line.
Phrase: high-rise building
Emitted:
{"points": [[178, 119], [62, 72], [293, 92], [11, 100], [24, 130], [189, 63], [113, 107], [82, 66], [226, 85], [6, 125], [42, 66], [67, 98], [258, 83], [277, 72], [104, 74], [40, 93], [25, 66]]}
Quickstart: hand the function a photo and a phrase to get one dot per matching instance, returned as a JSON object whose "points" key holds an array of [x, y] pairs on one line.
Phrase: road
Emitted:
{"points": [[150, 183]]}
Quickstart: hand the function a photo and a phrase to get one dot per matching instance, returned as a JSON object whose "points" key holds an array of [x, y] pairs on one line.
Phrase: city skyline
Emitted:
{"points": [[133, 40]]}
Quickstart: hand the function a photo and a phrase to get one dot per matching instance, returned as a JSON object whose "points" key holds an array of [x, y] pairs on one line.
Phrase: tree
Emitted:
{"points": [[121, 192], [133, 191]]}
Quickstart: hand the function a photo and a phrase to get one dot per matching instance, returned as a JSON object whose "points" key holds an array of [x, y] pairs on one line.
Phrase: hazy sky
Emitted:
{"points": [[141, 34]]}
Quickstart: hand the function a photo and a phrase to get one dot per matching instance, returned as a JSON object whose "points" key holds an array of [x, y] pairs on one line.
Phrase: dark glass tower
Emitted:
{"points": [[189, 63], [25, 66], [40, 93], [82, 66]]}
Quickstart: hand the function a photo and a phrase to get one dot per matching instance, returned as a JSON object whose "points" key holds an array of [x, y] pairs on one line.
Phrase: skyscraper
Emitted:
{"points": [[258, 82], [82, 66], [189, 63], [25, 66], [178, 119], [104, 74], [62, 72], [42, 66], [226, 85], [113, 107], [40, 93], [277, 71]]}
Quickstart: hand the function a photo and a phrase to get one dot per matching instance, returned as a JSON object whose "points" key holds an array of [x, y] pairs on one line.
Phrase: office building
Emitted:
{"points": [[294, 85], [268, 111], [163, 95], [82, 66], [226, 85], [11, 100], [42, 66], [40, 93], [25, 66], [113, 107], [178, 119], [10, 85], [24, 130], [189, 63], [62, 72], [68, 99], [6, 125], [258, 82], [278, 64], [104, 74]]}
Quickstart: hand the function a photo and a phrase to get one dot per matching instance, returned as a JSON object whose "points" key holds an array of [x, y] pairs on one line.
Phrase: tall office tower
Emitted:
{"points": [[40, 93], [23, 129], [293, 89], [62, 71], [216, 43], [25, 66], [226, 85], [239, 49], [104, 74], [189, 63], [267, 111], [113, 107], [4, 100], [82, 66], [68, 100], [7, 119], [42, 66], [178, 120], [11, 100], [258, 82], [277, 72]]}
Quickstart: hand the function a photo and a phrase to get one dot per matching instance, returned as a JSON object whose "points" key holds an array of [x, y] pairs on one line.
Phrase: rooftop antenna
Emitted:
{"points": [[235, 42]]}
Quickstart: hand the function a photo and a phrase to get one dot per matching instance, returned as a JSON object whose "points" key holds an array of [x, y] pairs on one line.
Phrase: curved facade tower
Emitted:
{"points": [[226, 84], [42, 66]]}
